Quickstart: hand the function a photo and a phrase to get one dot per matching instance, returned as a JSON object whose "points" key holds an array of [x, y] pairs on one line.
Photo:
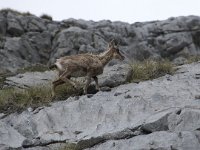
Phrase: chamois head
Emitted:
{"points": [[115, 49]]}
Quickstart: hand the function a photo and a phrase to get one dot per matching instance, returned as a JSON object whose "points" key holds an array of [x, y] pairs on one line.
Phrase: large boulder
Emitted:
{"points": [[14, 27], [21, 48], [69, 41], [41, 45], [159, 140], [31, 79], [8, 134], [32, 23]]}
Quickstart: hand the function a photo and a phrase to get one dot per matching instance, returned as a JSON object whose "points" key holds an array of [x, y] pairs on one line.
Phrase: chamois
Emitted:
{"points": [[88, 65]]}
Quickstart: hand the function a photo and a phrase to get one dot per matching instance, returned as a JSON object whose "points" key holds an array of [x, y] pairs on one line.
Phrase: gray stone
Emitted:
{"points": [[127, 96], [31, 79], [180, 61], [22, 49], [9, 136], [69, 41], [105, 89], [13, 25], [115, 75], [41, 43], [158, 140], [32, 23], [10, 62]]}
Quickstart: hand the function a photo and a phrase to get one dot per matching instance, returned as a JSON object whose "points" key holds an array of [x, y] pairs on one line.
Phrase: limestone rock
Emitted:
{"points": [[160, 114]]}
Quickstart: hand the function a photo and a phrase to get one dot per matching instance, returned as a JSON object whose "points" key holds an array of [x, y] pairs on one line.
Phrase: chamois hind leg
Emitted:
{"points": [[88, 81], [66, 78], [55, 84], [96, 82]]}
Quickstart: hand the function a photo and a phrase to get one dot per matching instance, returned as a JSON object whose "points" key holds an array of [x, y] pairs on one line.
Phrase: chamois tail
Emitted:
{"points": [[52, 67]]}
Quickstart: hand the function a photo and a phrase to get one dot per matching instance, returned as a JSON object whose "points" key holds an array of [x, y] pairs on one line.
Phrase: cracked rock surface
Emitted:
{"points": [[159, 114]]}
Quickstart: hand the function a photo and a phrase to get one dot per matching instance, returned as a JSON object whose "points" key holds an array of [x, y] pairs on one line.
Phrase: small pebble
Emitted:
{"points": [[117, 94], [127, 96], [113, 144], [30, 109], [77, 132], [197, 76], [136, 96]]}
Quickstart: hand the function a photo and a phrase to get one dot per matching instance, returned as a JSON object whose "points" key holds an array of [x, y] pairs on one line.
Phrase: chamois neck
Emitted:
{"points": [[105, 57]]}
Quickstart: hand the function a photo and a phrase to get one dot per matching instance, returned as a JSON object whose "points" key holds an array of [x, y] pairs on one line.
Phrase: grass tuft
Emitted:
{"points": [[150, 69], [17, 100], [33, 68], [46, 16], [70, 146], [192, 59], [6, 10]]}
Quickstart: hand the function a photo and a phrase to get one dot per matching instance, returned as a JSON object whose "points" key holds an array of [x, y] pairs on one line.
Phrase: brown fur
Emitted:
{"points": [[88, 65]]}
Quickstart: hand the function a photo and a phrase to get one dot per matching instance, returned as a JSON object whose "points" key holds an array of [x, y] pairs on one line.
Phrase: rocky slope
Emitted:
{"points": [[158, 114], [26, 39]]}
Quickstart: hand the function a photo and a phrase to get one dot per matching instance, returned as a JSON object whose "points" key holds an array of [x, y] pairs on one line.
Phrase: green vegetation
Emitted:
{"points": [[2, 80], [70, 146], [12, 100], [17, 100], [150, 69], [6, 10], [192, 59], [33, 68], [46, 16]]}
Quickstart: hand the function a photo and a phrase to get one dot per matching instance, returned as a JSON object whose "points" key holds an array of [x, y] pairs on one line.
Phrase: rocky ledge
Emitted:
{"points": [[159, 114]]}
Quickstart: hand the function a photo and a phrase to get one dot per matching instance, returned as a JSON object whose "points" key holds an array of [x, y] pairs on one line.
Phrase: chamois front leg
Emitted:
{"points": [[88, 81], [96, 82]]}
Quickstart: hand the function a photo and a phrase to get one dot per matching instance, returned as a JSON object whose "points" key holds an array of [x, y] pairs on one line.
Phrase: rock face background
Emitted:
{"points": [[161, 114], [26, 39]]}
